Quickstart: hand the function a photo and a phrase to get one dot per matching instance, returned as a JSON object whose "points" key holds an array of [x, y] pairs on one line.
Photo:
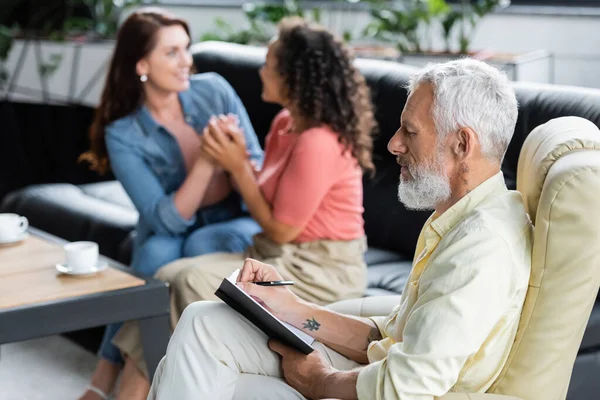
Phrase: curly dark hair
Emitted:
{"points": [[324, 86]]}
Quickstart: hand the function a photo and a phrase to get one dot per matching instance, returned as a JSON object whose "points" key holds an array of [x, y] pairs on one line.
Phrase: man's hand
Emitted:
{"points": [[305, 373], [279, 300]]}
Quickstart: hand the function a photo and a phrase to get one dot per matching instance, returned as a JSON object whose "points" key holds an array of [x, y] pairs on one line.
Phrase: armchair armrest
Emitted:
{"points": [[367, 306], [470, 396], [383, 305], [476, 396]]}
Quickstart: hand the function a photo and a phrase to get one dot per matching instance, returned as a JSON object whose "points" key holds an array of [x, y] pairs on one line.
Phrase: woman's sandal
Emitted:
{"points": [[99, 392]]}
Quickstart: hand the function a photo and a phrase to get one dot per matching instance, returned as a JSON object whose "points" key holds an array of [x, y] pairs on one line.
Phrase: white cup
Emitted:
{"points": [[12, 226], [81, 256]]}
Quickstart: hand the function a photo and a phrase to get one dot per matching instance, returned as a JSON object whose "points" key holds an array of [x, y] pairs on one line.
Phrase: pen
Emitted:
{"points": [[274, 283]]}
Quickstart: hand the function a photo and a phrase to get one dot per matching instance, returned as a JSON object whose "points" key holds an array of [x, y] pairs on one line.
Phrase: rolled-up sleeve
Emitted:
{"points": [[379, 323], [462, 295], [169, 216], [154, 205]]}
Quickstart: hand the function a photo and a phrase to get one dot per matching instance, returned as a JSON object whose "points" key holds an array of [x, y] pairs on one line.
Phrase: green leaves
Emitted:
{"points": [[274, 13], [47, 68], [57, 19], [400, 23], [406, 22], [106, 14], [262, 18], [472, 12], [226, 33], [438, 7], [484, 7], [5, 42], [316, 15], [449, 20], [5, 46]]}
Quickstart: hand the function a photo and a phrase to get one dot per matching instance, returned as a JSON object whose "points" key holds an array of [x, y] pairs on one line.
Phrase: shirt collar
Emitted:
{"points": [[443, 223], [187, 105], [150, 125]]}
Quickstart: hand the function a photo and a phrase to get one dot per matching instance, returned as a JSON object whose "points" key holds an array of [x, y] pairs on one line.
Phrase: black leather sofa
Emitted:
{"points": [[102, 212]]}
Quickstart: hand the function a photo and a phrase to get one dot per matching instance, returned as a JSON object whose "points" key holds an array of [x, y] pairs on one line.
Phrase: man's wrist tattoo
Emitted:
{"points": [[312, 325]]}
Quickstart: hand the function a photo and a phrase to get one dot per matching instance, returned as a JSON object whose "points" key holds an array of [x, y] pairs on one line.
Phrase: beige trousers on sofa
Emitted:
{"points": [[324, 272]]}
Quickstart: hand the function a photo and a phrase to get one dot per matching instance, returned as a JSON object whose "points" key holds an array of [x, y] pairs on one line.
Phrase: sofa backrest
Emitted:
{"points": [[538, 104], [387, 223]]}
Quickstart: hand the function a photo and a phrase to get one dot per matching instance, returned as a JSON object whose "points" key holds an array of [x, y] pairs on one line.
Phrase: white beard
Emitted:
{"points": [[428, 187]]}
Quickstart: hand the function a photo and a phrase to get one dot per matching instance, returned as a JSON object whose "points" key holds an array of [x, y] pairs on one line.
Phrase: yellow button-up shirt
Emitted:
{"points": [[459, 312]]}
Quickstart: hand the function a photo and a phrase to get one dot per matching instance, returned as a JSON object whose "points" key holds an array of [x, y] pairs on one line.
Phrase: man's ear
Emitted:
{"points": [[465, 143]]}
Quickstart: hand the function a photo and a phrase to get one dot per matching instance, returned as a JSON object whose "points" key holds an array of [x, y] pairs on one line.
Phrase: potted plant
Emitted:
{"points": [[468, 15], [262, 19], [403, 23], [409, 24]]}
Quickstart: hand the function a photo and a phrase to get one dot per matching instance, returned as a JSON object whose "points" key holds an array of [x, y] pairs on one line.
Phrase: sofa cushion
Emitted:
{"points": [[375, 256], [390, 277]]}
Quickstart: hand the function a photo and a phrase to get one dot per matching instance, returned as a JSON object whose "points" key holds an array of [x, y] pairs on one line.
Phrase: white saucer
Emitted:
{"points": [[15, 239], [65, 269]]}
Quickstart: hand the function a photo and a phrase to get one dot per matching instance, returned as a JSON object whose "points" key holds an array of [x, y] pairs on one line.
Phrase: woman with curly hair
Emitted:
{"points": [[147, 131], [308, 195]]}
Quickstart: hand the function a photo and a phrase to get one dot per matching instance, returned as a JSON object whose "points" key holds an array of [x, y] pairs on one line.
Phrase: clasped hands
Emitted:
{"points": [[223, 143], [307, 374]]}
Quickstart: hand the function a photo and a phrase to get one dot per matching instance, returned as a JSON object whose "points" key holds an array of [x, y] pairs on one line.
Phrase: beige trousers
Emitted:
{"points": [[324, 272], [215, 353]]}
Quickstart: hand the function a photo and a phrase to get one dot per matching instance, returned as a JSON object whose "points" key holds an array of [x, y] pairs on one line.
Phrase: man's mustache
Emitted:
{"points": [[402, 161]]}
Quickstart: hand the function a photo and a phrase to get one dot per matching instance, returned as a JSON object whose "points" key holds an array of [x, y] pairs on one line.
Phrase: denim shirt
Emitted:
{"points": [[148, 161]]}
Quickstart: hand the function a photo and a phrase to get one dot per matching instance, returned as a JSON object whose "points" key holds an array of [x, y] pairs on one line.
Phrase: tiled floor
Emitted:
{"points": [[51, 368]]}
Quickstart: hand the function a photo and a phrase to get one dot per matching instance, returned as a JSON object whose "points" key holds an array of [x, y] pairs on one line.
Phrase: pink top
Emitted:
{"points": [[312, 183]]}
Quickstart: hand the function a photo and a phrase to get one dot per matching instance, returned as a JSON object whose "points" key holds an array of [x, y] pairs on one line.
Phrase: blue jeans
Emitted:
{"points": [[232, 236]]}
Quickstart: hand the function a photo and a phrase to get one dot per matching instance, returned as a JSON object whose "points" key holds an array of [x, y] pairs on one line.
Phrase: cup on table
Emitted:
{"points": [[81, 256], [12, 226]]}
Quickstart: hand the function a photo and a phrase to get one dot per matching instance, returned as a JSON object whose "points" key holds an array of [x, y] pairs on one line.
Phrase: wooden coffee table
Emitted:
{"points": [[36, 300]]}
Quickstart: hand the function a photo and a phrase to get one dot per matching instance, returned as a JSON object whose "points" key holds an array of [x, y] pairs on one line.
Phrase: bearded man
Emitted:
{"points": [[460, 308]]}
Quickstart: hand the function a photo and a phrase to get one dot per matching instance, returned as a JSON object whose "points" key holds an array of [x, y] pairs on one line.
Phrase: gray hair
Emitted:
{"points": [[473, 94]]}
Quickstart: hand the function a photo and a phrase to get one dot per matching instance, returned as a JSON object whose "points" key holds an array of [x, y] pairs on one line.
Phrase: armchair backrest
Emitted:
{"points": [[559, 176]]}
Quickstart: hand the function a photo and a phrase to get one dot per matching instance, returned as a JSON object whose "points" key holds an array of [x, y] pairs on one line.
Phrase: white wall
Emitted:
{"points": [[574, 41]]}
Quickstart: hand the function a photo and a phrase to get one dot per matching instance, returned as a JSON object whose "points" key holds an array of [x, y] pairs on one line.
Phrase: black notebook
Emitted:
{"points": [[272, 326]]}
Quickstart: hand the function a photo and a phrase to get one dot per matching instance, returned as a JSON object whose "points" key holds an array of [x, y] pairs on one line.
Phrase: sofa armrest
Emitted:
{"points": [[69, 212], [476, 396]]}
